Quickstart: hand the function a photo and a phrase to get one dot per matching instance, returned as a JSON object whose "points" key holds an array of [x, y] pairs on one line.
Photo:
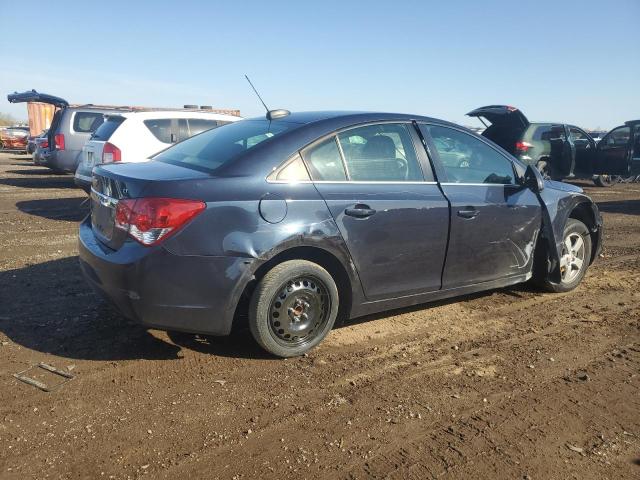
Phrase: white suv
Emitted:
{"points": [[136, 136]]}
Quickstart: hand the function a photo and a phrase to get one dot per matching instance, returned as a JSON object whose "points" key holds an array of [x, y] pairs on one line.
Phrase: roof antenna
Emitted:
{"points": [[271, 114]]}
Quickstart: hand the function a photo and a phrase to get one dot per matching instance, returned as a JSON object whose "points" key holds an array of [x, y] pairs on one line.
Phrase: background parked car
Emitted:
{"points": [[42, 148], [135, 136], [14, 138], [70, 128], [620, 152], [558, 150], [31, 144]]}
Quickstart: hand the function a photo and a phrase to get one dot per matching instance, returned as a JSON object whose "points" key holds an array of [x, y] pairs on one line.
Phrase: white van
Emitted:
{"points": [[136, 136]]}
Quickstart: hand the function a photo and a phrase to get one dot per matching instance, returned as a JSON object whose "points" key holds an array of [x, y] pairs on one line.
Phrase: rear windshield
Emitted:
{"points": [[214, 148], [105, 130]]}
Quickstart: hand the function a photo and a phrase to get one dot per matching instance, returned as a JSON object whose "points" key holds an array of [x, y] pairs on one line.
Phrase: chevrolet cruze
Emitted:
{"points": [[296, 220]]}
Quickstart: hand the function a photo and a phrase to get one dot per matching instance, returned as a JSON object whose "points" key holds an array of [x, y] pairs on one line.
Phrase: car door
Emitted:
{"points": [[613, 152], [495, 221], [585, 148], [382, 195], [635, 149]]}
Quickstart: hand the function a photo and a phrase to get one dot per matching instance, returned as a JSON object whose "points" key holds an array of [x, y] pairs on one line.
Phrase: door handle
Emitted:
{"points": [[360, 211], [468, 212]]}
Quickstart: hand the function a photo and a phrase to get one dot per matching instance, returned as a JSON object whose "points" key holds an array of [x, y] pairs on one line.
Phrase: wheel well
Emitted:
{"points": [[313, 254], [584, 213]]}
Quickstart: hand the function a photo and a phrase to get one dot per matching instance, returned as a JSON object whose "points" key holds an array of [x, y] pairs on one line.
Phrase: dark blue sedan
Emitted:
{"points": [[301, 219]]}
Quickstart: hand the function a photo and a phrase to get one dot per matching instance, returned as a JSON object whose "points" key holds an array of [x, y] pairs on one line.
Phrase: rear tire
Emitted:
{"points": [[576, 255], [605, 180], [293, 308]]}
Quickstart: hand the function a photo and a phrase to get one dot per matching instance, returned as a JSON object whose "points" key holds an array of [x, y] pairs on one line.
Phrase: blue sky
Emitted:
{"points": [[573, 61]]}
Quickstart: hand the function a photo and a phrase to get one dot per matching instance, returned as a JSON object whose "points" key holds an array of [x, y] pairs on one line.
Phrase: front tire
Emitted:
{"points": [[293, 308], [574, 262]]}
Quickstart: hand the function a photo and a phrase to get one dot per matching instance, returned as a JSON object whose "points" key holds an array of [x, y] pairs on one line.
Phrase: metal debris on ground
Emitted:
{"points": [[41, 385]]}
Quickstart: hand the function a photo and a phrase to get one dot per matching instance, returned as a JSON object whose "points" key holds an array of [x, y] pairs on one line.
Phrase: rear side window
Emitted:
{"points": [[218, 146], [105, 130], [87, 122], [325, 162], [549, 132], [381, 152], [160, 128], [199, 125], [467, 159]]}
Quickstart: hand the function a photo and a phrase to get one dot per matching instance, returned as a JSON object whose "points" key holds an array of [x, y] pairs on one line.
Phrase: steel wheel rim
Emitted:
{"points": [[573, 257], [299, 311]]}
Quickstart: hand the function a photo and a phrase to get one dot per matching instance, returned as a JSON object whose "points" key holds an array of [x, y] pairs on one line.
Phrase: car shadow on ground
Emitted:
{"points": [[49, 308], [34, 171], [72, 209], [49, 181], [626, 207]]}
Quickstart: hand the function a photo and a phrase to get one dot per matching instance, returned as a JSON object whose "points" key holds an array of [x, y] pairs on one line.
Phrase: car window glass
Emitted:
{"points": [[87, 122], [324, 161], [104, 131], [549, 132], [381, 152], [216, 147], [293, 171], [161, 129], [183, 129], [198, 125], [580, 139], [467, 159], [617, 138]]}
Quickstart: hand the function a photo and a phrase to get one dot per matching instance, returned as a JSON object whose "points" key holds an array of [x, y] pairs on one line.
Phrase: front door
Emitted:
{"points": [[495, 221], [390, 211], [612, 157]]}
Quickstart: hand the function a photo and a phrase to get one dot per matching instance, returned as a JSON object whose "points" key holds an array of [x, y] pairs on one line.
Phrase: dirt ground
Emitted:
{"points": [[506, 384]]}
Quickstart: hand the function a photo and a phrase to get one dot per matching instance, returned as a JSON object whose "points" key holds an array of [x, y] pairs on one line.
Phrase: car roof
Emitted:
{"points": [[354, 117], [157, 114]]}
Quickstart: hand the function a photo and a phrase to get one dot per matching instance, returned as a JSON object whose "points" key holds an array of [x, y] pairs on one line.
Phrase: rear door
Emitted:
{"points": [[494, 220], [382, 195], [585, 148], [614, 152]]}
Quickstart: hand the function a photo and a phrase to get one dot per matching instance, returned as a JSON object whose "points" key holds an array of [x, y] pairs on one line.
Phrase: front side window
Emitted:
{"points": [[214, 148], [87, 122], [382, 153], [580, 139], [467, 159], [616, 138]]}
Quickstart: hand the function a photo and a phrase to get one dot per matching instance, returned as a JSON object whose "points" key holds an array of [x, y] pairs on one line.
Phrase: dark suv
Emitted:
{"points": [[559, 150]]}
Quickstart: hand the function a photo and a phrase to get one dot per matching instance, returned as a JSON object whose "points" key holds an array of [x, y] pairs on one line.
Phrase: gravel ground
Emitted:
{"points": [[511, 383]]}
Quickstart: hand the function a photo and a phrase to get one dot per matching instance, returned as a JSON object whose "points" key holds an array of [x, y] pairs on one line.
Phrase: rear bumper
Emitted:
{"points": [[61, 160], [161, 290]]}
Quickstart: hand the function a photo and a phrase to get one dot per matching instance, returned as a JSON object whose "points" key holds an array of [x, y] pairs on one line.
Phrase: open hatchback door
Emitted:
{"points": [[505, 124], [33, 96]]}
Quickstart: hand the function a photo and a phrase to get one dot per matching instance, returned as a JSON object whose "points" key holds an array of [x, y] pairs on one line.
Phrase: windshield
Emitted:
{"points": [[214, 148]]}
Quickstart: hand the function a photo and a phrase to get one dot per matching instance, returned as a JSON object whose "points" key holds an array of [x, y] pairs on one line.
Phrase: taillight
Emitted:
{"points": [[59, 139], [150, 220], [111, 153], [44, 144], [523, 147]]}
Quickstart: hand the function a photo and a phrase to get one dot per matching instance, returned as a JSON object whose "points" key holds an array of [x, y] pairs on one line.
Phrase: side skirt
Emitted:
{"points": [[378, 306]]}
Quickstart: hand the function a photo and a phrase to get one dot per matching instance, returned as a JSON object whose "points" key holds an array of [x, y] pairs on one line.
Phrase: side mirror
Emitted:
{"points": [[533, 179]]}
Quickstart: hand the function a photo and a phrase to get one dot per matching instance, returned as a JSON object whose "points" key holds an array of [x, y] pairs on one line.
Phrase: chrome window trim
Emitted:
{"points": [[104, 199], [480, 184], [359, 182]]}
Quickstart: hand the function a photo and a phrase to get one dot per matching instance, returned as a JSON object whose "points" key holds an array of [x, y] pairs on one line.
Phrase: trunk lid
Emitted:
{"points": [[114, 182]]}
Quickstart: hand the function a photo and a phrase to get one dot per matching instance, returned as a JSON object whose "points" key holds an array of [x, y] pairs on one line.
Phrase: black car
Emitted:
{"points": [[300, 219], [558, 150]]}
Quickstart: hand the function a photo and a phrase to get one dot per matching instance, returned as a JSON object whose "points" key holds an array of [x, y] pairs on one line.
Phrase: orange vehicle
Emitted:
{"points": [[14, 138]]}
